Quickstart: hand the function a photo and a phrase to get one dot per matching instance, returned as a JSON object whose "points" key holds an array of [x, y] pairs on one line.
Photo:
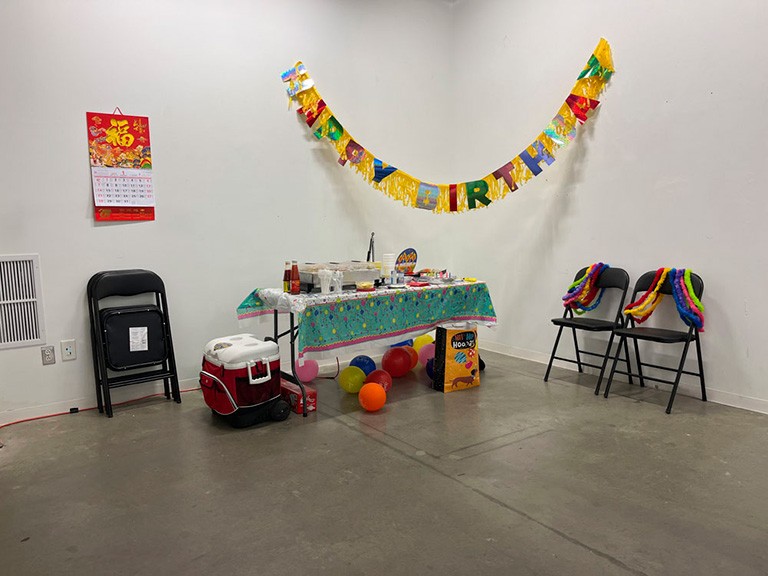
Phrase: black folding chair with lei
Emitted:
{"points": [[687, 289], [584, 296]]}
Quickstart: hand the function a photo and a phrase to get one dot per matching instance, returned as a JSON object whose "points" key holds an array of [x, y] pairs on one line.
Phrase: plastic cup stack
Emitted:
{"points": [[387, 265]]}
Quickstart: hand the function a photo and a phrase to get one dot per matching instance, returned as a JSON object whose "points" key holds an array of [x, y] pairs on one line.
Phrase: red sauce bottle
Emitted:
{"points": [[295, 278]]}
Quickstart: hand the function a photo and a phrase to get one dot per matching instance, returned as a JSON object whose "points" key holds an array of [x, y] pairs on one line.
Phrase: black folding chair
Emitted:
{"points": [[661, 336], [614, 279], [134, 340]]}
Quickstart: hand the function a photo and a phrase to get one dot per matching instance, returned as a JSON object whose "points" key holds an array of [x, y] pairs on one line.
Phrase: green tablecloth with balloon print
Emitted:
{"points": [[329, 321]]}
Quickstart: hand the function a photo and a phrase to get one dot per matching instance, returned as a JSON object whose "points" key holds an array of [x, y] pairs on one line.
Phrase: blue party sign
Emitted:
{"points": [[406, 261]]}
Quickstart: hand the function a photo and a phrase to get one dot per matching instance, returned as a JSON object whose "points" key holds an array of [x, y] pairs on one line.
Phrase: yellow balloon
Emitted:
{"points": [[351, 379], [422, 340]]}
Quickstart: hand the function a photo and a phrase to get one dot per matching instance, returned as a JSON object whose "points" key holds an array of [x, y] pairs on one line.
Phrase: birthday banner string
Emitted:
{"points": [[462, 196]]}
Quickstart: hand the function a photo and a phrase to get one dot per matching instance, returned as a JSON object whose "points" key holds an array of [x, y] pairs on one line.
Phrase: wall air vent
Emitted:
{"points": [[21, 309]]}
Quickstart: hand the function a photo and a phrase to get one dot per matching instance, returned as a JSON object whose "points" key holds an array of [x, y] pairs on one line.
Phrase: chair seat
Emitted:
{"points": [[653, 334], [591, 324]]}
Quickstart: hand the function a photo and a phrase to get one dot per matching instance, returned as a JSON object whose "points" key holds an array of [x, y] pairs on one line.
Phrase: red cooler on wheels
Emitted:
{"points": [[240, 380]]}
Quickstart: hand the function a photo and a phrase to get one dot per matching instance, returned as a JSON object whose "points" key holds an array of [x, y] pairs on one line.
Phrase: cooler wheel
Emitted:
{"points": [[279, 411]]}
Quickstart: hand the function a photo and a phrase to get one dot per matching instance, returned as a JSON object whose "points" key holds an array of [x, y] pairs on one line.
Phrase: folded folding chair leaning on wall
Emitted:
{"points": [[131, 344]]}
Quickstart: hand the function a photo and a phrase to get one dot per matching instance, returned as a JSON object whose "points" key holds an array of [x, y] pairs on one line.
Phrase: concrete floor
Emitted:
{"points": [[516, 477]]}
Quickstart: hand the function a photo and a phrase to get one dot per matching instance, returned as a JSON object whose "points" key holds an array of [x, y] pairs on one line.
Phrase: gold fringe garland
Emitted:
{"points": [[463, 196]]}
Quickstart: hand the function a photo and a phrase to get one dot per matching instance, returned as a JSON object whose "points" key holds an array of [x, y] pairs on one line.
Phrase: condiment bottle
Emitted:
{"points": [[295, 278], [287, 276]]}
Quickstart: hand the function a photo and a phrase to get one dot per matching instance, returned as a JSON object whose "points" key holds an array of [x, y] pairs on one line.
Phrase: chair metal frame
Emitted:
{"points": [[661, 336], [612, 278], [128, 283]]}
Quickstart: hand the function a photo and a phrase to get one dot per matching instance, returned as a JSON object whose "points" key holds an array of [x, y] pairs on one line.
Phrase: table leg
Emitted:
{"points": [[275, 323], [293, 334], [294, 337]]}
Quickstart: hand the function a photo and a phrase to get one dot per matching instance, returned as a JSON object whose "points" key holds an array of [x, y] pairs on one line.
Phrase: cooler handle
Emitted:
{"points": [[220, 383], [261, 380]]}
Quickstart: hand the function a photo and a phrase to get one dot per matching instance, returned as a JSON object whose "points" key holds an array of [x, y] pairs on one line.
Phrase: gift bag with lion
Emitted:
{"points": [[457, 363]]}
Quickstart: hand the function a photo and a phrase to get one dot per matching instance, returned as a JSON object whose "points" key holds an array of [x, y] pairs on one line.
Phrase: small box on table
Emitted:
{"points": [[291, 393]]}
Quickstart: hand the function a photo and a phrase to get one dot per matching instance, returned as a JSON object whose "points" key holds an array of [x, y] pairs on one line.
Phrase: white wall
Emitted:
{"points": [[670, 173], [241, 185], [667, 174]]}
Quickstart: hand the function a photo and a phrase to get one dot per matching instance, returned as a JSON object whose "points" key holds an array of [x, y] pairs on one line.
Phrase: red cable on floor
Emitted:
{"points": [[89, 408]]}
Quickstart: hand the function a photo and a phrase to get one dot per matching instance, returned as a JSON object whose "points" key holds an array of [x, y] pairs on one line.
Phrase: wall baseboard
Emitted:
{"points": [[737, 401], [520, 353], [685, 388]]}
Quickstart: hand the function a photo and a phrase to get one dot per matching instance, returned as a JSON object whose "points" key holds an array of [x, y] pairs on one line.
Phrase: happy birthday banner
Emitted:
{"points": [[462, 196]]}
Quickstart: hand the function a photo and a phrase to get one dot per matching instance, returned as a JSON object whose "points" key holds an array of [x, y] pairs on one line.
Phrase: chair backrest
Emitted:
{"points": [[125, 283], [610, 278], [646, 280]]}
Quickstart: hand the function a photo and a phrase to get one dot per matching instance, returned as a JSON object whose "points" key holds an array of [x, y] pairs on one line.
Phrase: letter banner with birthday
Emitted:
{"points": [[461, 196]]}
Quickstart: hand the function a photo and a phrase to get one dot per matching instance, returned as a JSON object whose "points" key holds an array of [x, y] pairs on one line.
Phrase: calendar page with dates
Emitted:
{"points": [[121, 167], [122, 187]]}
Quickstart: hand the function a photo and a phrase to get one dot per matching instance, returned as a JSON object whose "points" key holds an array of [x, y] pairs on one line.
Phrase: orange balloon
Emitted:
{"points": [[372, 396], [414, 355]]}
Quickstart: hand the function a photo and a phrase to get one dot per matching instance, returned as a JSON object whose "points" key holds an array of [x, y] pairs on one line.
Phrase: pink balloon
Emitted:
{"points": [[308, 371], [425, 353]]}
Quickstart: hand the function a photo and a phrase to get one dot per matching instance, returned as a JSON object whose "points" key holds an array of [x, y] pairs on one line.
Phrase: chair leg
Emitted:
{"points": [[622, 341], [629, 366], [576, 346], [554, 350], [100, 365], [639, 364], [107, 399], [175, 389], [677, 377], [98, 379], [701, 368], [94, 353], [605, 363], [99, 401]]}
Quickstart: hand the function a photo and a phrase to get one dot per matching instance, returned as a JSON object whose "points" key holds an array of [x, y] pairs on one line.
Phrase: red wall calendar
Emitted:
{"points": [[121, 166]]}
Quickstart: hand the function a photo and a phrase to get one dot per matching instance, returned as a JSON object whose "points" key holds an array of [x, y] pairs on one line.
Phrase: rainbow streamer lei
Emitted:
{"points": [[689, 307], [581, 294]]}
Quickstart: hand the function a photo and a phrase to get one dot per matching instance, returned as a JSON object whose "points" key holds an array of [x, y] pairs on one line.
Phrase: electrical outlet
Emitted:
{"points": [[68, 350], [49, 355]]}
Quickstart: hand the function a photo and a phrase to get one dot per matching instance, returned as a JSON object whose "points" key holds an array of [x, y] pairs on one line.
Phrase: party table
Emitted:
{"points": [[323, 322]]}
